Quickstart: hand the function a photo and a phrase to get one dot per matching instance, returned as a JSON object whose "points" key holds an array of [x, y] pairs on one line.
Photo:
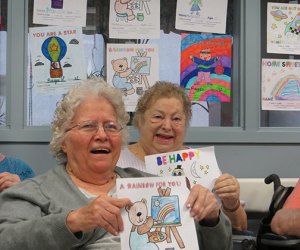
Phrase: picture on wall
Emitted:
{"points": [[134, 19], [202, 16], [57, 59], [132, 68], [283, 32], [280, 84], [205, 67]]}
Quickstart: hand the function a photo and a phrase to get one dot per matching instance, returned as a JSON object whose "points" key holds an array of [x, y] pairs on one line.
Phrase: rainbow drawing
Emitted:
{"points": [[219, 87], [164, 211], [139, 65], [287, 88]]}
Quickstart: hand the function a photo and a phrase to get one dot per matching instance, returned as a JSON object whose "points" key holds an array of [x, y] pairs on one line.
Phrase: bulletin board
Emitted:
{"points": [[218, 113]]}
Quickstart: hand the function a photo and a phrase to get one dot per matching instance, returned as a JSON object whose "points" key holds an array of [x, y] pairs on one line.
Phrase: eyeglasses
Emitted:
{"points": [[91, 127], [176, 121]]}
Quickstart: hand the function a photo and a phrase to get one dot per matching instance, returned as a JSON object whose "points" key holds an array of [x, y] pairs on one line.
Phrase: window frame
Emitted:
{"points": [[247, 57]]}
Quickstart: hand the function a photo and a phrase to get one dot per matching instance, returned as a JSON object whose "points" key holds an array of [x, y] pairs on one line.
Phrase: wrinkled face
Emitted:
{"points": [[205, 55], [92, 152], [163, 128]]}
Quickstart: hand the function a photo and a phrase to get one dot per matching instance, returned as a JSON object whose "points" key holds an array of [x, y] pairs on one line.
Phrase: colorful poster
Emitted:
{"points": [[60, 12], [205, 67], [283, 32], [158, 217], [202, 16], [198, 165], [133, 68], [134, 19], [280, 84], [57, 59]]}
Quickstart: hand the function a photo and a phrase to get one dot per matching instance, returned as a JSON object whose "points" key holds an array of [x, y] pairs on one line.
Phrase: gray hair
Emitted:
{"points": [[66, 109], [162, 89]]}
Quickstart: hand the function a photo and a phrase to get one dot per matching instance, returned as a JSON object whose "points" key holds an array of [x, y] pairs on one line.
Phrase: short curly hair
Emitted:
{"points": [[162, 89], [66, 110]]}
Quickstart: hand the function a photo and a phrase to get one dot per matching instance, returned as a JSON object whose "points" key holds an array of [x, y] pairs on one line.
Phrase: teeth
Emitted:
{"points": [[100, 150]]}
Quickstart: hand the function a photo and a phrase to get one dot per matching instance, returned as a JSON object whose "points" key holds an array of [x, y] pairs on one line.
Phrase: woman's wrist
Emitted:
{"points": [[232, 210], [211, 222]]}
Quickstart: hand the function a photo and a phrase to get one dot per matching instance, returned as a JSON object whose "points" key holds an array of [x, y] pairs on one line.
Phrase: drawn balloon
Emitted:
{"points": [[54, 49]]}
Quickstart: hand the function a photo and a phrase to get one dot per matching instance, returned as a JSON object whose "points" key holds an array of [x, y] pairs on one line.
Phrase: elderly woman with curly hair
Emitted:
{"points": [[162, 116], [74, 206]]}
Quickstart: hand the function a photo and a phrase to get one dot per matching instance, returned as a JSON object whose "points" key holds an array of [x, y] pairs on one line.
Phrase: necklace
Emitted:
{"points": [[81, 182]]}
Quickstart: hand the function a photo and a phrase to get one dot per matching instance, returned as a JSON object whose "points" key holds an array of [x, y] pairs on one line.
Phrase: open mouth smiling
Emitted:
{"points": [[100, 151], [165, 137]]}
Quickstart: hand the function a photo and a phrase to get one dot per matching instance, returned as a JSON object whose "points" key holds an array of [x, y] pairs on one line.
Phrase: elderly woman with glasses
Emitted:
{"points": [[162, 117], [74, 205]]}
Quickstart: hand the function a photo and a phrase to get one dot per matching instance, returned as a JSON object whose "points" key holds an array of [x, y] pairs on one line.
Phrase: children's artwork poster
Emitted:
{"points": [[280, 84], [202, 16], [133, 68], [158, 217], [283, 31], [198, 165], [57, 59], [134, 19], [60, 12], [205, 67]]}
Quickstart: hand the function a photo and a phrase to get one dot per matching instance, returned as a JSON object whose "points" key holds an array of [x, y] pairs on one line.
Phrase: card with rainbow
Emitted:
{"points": [[158, 217]]}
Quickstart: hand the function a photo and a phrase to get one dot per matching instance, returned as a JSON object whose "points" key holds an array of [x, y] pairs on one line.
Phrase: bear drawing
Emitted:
{"points": [[122, 74], [121, 7], [141, 225]]}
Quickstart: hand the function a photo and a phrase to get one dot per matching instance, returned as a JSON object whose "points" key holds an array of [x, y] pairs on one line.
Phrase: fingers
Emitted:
{"points": [[203, 204], [227, 187], [103, 212], [6, 185], [111, 216], [111, 220], [7, 180], [108, 215]]}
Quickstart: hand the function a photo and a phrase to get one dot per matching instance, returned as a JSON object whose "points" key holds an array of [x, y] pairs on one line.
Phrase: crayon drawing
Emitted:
{"points": [[165, 214], [280, 84], [141, 225], [201, 16], [198, 165], [165, 210], [134, 19], [283, 32], [205, 67], [57, 59], [131, 68], [157, 219]]}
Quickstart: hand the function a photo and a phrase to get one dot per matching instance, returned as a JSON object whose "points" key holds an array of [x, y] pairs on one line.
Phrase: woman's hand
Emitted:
{"points": [[103, 212], [7, 180], [203, 205], [228, 189]]}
